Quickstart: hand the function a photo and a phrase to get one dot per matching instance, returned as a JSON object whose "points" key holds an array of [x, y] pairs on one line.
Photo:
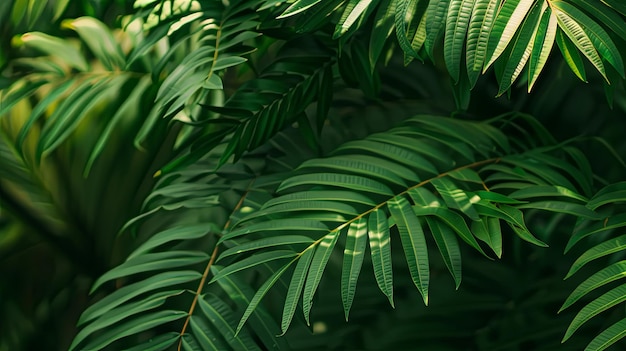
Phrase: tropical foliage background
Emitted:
{"points": [[307, 174]]}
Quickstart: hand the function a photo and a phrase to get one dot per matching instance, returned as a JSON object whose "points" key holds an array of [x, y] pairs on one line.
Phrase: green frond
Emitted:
{"points": [[430, 195], [607, 232]]}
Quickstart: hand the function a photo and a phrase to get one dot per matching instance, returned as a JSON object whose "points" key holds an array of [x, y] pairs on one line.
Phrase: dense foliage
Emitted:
{"points": [[307, 174]]}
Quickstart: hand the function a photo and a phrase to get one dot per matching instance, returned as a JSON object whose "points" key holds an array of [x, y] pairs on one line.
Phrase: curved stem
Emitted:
{"points": [[206, 273]]}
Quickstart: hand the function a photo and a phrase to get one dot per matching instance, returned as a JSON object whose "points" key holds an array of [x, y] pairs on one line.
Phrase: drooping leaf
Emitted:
{"points": [[316, 270], [507, 22], [413, 243], [448, 247], [457, 23], [611, 273], [380, 249], [608, 337], [295, 287], [481, 20], [352, 261], [595, 307], [542, 46], [606, 248]]}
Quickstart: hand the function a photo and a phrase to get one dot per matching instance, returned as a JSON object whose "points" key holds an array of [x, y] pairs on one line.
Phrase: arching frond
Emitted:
{"points": [[608, 235], [443, 177]]}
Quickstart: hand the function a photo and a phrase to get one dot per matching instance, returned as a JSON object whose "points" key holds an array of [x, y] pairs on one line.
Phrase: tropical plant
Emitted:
{"points": [[197, 175]]}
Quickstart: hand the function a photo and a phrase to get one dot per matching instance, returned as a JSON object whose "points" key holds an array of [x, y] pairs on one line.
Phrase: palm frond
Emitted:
{"points": [[516, 34], [441, 174], [607, 233]]}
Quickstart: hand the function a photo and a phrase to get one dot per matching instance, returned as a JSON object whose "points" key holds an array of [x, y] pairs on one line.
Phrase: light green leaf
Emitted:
{"points": [[66, 118], [54, 46], [40, 108], [213, 82], [488, 230], [571, 55], [316, 270], [298, 6], [522, 46], [223, 62], [128, 108], [19, 91], [455, 197], [601, 40], [542, 46], [59, 8], [353, 256], [353, 10], [506, 24], [99, 40], [581, 38], [605, 15], [413, 243], [428, 205]]}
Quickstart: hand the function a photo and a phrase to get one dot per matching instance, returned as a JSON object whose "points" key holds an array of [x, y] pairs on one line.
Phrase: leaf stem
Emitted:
{"points": [[207, 270]]}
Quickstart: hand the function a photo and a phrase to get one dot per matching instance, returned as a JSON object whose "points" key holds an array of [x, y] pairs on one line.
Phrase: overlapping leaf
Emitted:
{"points": [[481, 31], [611, 225], [441, 175]]}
